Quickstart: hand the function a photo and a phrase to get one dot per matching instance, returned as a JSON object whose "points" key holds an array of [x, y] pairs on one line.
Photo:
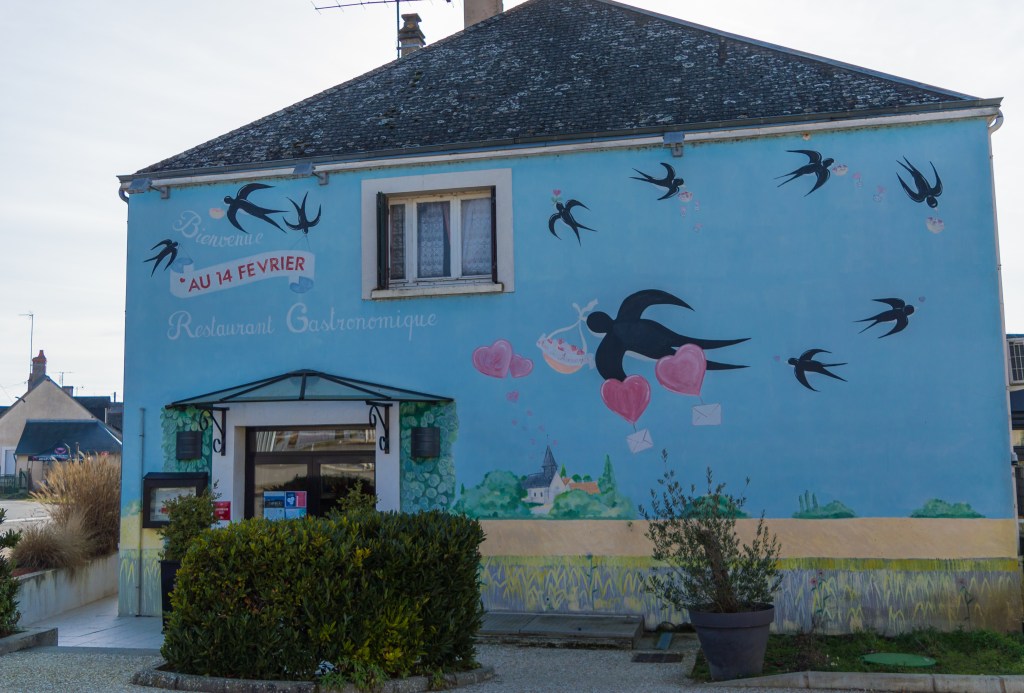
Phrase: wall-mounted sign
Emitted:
{"points": [[160, 487], [222, 512]]}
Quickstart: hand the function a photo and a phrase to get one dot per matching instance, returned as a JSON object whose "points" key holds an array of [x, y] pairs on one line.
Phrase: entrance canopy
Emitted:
{"points": [[309, 386]]}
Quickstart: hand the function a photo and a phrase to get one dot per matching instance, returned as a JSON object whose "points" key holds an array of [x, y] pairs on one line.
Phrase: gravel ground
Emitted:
{"points": [[518, 670], [72, 670]]}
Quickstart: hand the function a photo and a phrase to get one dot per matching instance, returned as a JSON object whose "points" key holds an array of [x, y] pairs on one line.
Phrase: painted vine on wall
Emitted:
{"points": [[428, 484], [190, 419]]}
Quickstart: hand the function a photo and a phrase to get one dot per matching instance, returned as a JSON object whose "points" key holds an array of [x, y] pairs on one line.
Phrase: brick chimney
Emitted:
{"points": [[474, 11], [410, 37], [38, 373]]}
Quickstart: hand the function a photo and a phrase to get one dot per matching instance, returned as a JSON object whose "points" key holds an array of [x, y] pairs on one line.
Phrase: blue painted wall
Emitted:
{"points": [[921, 414]]}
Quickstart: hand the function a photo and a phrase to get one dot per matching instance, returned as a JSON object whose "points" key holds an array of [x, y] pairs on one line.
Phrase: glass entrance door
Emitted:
{"points": [[322, 464]]}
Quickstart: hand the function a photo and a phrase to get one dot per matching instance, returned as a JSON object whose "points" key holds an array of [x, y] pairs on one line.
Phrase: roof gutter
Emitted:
{"points": [[537, 146]]}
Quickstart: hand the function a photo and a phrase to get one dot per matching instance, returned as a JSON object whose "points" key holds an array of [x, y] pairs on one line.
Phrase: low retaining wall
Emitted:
{"points": [[48, 593]]}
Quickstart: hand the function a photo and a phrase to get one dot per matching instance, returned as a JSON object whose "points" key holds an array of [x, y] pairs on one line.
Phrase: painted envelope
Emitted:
{"points": [[707, 415], [639, 441]]}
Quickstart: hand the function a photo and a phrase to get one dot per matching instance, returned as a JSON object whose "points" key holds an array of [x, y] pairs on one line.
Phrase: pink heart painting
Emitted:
{"points": [[683, 371], [627, 398], [520, 366], [494, 360]]}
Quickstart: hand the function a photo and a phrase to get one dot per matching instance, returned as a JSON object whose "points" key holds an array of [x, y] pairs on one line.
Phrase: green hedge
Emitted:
{"points": [[395, 593]]}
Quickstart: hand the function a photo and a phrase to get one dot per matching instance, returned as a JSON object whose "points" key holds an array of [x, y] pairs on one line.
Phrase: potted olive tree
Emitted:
{"points": [[188, 516], [725, 586]]}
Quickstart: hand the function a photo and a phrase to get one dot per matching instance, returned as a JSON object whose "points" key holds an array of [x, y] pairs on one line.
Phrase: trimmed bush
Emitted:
{"points": [[52, 546], [369, 592], [9, 614], [90, 488], [188, 516]]}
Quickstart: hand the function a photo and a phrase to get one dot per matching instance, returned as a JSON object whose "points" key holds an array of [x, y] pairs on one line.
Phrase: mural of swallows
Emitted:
{"points": [[242, 203], [898, 313], [303, 223], [629, 331], [806, 364], [815, 165], [564, 213], [168, 252], [924, 192], [670, 182]]}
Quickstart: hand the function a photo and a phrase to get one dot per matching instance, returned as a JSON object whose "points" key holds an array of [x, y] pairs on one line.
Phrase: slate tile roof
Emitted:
{"points": [[45, 437], [560, 70]]}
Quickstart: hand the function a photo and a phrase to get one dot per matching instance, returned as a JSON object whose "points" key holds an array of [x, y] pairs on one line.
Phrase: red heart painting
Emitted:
{"points": [[683, 371], [627, 398], [494, 360], [520, 366]]}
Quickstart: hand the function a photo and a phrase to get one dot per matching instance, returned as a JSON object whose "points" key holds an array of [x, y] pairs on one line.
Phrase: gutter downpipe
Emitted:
{"points": [[993, 126], [142, 490]]}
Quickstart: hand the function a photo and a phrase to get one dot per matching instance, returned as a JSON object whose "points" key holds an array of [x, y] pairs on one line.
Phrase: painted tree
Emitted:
{"points": [[499, 495]]}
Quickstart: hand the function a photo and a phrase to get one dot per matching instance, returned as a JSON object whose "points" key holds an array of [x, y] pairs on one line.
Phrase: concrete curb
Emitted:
{"points": [[911, 683], [26, 638], [158, 678]]}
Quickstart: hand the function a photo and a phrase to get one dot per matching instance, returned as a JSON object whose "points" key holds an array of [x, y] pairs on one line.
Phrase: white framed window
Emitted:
{"points": [[437, 234], [1015, 349]]}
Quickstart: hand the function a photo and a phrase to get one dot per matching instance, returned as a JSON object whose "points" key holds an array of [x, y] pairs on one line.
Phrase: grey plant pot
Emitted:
{"points": [[733, 644]]}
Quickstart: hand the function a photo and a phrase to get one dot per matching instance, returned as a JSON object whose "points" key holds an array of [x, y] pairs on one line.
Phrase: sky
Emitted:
{"points": [[91, 90]]}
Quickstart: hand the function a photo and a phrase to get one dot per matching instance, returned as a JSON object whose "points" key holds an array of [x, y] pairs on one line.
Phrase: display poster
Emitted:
{"points": [[159, 497], [280, 505]]}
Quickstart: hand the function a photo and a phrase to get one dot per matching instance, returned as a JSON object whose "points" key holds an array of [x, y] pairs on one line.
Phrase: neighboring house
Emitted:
{"points": [[43, 400], [594, 228], [45, 442]]}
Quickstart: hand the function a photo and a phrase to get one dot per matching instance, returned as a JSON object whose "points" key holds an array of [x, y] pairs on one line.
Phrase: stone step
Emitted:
{"points": [[562, 630]]}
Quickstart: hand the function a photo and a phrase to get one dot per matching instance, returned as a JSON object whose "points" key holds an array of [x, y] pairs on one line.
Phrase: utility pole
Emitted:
{"points": [[31, 333]]}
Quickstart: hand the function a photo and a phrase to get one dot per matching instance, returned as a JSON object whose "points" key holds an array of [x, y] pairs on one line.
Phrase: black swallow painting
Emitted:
{"points": [[806, 364], [898, 313], [630, 332], [241, 203], [303, 223], [564, 213], [924, 191], [670, 182], [815, 165], [168, 251]]}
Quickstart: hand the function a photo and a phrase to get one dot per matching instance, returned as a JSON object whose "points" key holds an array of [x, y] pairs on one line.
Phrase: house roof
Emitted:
{"points": [[561, 70], [60, 438], [95, 404], [543, 478]]}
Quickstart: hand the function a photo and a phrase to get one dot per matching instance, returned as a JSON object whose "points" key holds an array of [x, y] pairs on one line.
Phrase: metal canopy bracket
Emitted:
{"points": [[221, 426], [384, 443]]}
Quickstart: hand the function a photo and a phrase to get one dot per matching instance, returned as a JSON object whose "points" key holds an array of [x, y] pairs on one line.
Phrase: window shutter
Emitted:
{"points": [[494, 235], [382, 241]]}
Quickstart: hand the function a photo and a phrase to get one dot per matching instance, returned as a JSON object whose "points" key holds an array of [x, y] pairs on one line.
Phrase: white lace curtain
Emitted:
{"points": [[476, 237]]}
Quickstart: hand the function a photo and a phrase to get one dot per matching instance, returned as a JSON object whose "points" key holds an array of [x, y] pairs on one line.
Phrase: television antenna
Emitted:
{"points": [[342, 4]]}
